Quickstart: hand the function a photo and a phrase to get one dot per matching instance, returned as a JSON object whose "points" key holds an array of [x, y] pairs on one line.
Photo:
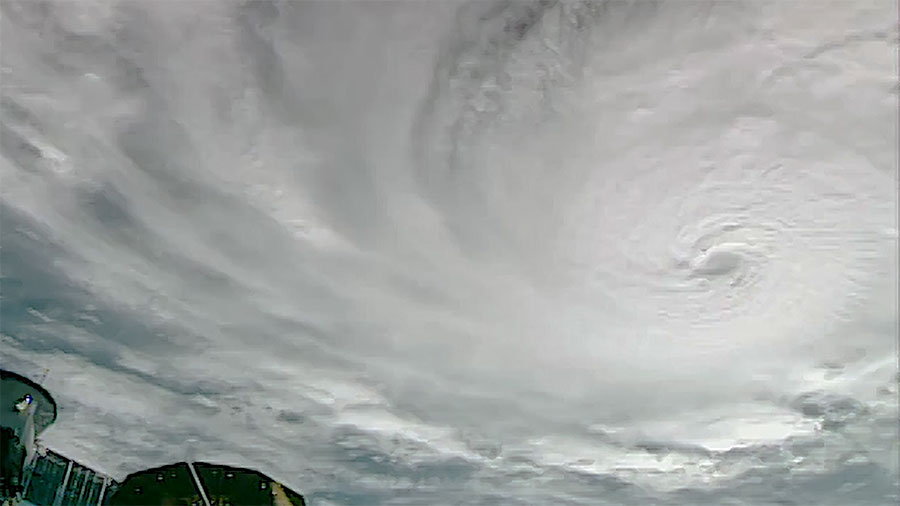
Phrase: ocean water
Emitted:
{"points": [[435, 252]]}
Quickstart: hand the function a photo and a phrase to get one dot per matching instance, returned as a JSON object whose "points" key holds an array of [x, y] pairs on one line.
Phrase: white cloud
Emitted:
{"points": [[425, 252]]}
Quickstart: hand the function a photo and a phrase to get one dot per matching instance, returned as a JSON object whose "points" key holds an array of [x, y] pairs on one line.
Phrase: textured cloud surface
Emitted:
{"points": [[461, 253]]}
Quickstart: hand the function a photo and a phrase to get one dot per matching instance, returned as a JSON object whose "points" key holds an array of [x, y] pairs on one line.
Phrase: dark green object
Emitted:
{"points": [[174, 485]]}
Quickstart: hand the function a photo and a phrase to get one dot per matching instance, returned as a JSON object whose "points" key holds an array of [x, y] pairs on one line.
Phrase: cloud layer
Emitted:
{"points": [[474, 253]]}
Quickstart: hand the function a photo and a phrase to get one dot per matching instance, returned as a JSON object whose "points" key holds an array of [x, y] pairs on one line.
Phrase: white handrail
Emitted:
{"points": [[103, 490], [61, 491], [198, 484]]}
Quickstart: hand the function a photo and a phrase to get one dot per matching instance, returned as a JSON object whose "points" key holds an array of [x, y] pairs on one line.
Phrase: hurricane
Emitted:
{"points": [[444, 252]]}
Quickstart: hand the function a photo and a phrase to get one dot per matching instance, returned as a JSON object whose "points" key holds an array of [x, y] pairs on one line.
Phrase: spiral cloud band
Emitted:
{"points": [[512, 252]]}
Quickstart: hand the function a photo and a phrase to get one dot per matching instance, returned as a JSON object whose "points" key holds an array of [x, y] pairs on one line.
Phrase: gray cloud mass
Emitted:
{"points": [[436, 252]]}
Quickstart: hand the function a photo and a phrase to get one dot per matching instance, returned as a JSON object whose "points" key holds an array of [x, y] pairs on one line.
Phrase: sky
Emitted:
{"points": [[435, 252]]}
